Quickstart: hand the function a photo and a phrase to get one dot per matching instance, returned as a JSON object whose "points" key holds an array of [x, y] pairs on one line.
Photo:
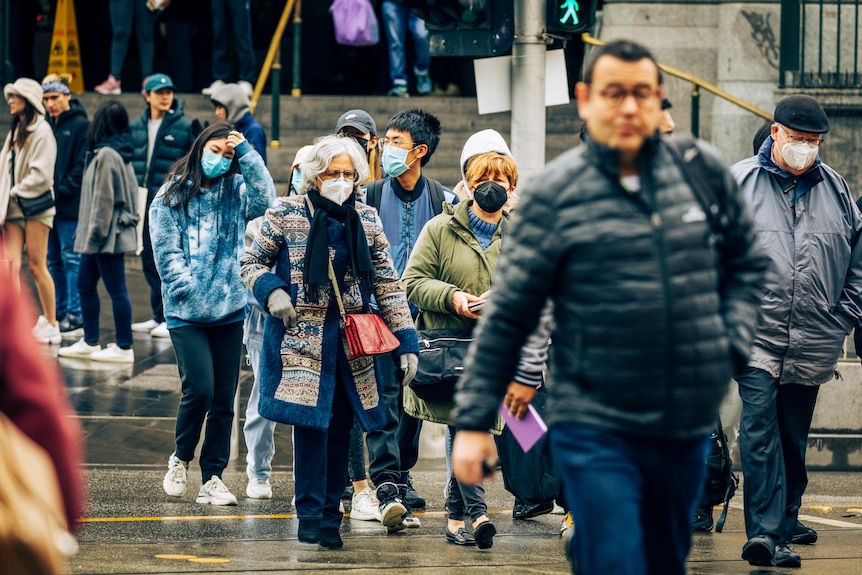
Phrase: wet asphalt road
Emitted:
{"points": [[131, 526]]}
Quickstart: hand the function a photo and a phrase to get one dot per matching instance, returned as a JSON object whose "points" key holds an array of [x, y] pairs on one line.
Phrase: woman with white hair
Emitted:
{"points": [[27, 196], [308, 377]]}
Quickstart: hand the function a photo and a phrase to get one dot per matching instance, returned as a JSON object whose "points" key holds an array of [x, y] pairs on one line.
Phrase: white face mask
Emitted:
{"points": [[799, 156], [337, 190]]}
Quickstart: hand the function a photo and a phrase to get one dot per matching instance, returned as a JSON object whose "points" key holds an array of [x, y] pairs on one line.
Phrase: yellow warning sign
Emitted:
{"points": [[65, 57]]}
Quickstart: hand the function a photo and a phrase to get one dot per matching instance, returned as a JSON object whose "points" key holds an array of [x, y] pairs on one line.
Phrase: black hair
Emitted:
{"points": [[422, 126], [111, 119], [761, 134], [186, 176], [20, 136], [624, 50]]}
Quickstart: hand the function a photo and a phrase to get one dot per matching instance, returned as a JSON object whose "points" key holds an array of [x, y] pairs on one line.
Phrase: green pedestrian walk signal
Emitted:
{"points": [[568, 17]]}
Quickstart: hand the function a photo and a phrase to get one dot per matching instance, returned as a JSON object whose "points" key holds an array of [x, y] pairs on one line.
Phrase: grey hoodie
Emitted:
{"points": [[234, 99]]}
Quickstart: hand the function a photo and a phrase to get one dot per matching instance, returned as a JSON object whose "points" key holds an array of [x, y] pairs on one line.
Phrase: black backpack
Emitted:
{"points": [[374, 191], [721, 481]]}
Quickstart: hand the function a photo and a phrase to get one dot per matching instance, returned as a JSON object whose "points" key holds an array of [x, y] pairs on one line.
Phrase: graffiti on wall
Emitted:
{"points": [[763, 35]]}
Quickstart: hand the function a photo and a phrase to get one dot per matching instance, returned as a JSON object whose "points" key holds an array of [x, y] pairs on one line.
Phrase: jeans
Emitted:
{"points": [[356, 454], [235, 14], [632, 498], [123, 12], [773, 436], [148, 265], [393, 450], [208, 361], [258, 430], [462, 500], [111, 269], [320, 458], [396, 20], [63, 263]]}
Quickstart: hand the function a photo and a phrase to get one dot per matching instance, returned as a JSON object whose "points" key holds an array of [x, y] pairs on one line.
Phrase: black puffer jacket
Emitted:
{"points": [[175, 137], [644, 342], [70, 131]]}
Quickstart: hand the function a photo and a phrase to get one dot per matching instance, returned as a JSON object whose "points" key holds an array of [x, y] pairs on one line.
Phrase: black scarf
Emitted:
{"points": [[316, 273]]}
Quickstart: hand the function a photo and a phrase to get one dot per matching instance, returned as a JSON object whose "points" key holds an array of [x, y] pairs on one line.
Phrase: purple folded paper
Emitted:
{"points": [[527, 431]]}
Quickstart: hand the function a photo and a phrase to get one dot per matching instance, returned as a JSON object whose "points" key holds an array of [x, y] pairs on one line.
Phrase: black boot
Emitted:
{"points": [[309, 530], [702, 522], [330, 538]]}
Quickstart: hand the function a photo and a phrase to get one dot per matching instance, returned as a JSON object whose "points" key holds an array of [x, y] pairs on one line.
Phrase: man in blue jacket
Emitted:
{"points": [[161, 136], [810, 226]]}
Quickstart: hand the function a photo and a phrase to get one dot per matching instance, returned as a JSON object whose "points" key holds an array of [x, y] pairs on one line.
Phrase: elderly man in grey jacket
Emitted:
{"points": [[808, 223]]}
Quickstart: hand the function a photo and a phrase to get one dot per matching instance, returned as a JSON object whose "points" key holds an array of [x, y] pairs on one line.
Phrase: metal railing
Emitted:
{"points": [[697, 84], [820, 44]]}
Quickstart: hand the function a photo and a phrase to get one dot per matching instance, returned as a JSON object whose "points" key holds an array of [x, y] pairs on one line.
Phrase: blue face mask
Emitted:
{"points": [[296, 180], [393, 159], [214, 165]]}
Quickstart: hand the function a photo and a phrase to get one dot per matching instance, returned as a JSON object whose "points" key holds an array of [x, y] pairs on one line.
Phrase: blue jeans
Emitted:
{"points": [[258, 430], [63, 263], [773, 436], [111, 269], [397, 19], [632, 498], [123, 13], [235, 16]]}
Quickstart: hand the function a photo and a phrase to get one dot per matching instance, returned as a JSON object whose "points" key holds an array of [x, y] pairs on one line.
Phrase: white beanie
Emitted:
{"points": [[30, 90]]}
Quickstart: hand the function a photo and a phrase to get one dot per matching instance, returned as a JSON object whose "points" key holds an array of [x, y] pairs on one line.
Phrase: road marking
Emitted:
{"points": [[814, 519], [235, 517]]}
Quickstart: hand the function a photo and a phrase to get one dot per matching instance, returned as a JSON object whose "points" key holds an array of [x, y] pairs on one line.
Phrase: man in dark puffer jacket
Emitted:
{"points": [[651, 322], [161, 136]]}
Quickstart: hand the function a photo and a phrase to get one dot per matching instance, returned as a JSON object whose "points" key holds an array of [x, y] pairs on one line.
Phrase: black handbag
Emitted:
{"points": [[441, 361], [33, 206]]}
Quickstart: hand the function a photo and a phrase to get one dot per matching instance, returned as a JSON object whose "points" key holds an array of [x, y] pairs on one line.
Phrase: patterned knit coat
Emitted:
{"points": [[298, 365]]}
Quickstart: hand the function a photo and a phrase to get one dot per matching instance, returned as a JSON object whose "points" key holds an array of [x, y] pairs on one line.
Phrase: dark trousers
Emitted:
{"points": [[320, 459], [123, 14], [208, 360], [151, 274], [356, 454], [232, 16], [773, 436], [463, 501], [393, 450], [632, 498], [111, 269]]}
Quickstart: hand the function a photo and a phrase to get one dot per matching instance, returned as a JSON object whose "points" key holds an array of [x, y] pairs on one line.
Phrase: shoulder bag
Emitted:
{"points": [[33, 206], [441, 361]]}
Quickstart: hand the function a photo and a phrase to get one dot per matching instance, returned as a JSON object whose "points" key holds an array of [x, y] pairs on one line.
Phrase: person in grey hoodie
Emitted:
{"points": [[232, 106]]}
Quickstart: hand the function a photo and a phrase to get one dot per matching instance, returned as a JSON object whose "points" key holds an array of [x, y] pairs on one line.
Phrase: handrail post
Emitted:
{"points": [[296, 90], [276, 100], [695, 110], [270, 54]]}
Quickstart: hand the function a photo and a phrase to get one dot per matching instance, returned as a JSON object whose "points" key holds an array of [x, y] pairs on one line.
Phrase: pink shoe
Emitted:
{"points": [[111, 86]]}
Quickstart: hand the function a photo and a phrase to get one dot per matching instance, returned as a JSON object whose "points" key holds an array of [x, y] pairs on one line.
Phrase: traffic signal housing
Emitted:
{"points": [[467, 27], [570, 17]]}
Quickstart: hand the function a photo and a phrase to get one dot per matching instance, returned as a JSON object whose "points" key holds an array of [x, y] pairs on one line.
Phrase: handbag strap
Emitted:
{"points": [[333, 282]]}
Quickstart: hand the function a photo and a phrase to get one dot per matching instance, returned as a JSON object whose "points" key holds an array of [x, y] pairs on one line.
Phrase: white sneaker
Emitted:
{"points": [[114, 354], [212, 88], [160, 330], [44, 332], [364, 506], [145, 326], [80, 349], [214, 492], [246, 87], [175, 479], [257, 488]]}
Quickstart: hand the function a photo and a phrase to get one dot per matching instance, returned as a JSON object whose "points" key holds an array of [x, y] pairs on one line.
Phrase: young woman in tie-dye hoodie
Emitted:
{"points": [[197, 223]]}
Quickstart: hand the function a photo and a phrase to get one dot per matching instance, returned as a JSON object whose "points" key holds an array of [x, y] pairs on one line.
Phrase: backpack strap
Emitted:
{"points": [[733, 480], [374, 193], [435, 188]]}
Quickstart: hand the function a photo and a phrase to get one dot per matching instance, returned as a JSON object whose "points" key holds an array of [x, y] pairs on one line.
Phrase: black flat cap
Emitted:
{"points": [[802, 113]]}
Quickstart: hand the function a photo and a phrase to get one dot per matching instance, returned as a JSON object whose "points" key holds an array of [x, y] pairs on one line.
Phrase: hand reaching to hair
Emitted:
{"points": [[278, 304], [234, 139]]}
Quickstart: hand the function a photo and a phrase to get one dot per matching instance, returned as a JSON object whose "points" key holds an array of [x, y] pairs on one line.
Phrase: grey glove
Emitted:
{"points": [[409, 365], [278, 304]]}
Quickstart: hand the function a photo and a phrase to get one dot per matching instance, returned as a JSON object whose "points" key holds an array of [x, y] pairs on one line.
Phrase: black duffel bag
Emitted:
{"points": [[441, 362]]}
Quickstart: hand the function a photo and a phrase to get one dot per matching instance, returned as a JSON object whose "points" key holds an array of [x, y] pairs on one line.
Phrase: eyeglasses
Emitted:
{"points": [[799, 139], [398, 144], [332, 174], [616, 95]]}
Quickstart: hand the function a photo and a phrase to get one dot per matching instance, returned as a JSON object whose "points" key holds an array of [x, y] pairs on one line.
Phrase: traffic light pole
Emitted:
{"points": [[528, 86]]}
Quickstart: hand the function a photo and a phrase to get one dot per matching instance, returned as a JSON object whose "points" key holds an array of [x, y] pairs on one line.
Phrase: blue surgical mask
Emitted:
{"points": [[296, 180], [214, 165], [393, 159]]}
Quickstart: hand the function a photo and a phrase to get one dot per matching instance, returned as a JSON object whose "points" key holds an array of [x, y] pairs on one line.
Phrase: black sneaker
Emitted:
{"points": [[759, 550], [330, 538], [803, 535], [409, 520], [702, 520], [392, 509], [786, 557], [411, 496]]}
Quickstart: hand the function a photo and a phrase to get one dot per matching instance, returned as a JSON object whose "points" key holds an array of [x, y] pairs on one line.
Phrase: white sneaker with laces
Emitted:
{"points": [[212, 88], [145, 326], [114, 354], [175, 479], [257, 488], [364, 506], [160, 330], [80, 349], [45, 332], [246, 87], [215, 492]]}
